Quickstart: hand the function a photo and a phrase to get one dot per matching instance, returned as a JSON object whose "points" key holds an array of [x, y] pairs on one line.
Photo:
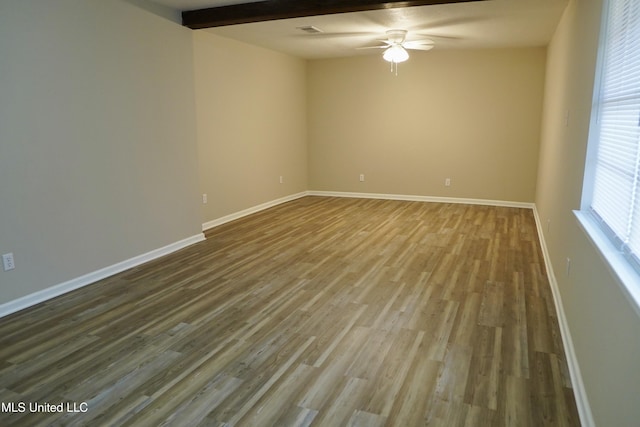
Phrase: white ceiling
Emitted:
{"points": [[481, 24]]}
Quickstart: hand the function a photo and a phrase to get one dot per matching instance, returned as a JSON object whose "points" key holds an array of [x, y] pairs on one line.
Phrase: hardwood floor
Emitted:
{"points": [[321, 311]]}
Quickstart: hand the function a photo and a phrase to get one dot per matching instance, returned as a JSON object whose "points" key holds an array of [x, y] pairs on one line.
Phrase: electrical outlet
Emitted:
{"points": [[361, 177], [8, 262], [568, 266], [204, 198], [447, 182], [281, 179]]}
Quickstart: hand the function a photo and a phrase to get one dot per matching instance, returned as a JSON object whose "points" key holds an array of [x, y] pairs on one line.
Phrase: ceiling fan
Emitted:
{"points": [[396, 46]]}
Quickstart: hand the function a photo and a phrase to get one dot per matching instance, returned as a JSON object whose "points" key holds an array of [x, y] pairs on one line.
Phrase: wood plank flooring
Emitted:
{"points": [[318, 312]]}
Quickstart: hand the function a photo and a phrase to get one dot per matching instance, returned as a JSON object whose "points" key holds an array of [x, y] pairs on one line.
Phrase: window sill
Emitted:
{"points": [[627, 277]]}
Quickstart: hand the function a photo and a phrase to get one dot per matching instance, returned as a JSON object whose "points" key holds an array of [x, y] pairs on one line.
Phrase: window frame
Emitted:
{"points": [[622, 264]]}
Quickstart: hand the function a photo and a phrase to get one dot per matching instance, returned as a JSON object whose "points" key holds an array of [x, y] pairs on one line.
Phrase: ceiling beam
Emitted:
{"points": [[270, 10]]}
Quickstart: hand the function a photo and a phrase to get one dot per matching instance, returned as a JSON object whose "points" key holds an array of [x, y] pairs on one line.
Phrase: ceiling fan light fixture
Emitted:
{"points": [[395, 54]]}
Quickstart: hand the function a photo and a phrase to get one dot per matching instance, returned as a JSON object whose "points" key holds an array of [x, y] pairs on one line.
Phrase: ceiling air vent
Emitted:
{"points": [[310, 29]]}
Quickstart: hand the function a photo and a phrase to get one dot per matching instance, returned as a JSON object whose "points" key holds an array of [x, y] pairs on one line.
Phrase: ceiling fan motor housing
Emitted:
{"points": [[396, 36]]}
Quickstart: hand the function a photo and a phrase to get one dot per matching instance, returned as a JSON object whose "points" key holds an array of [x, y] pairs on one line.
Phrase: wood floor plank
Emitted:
{"points": [[388, 385], [321, 311], [417, 394], [280, 399]]}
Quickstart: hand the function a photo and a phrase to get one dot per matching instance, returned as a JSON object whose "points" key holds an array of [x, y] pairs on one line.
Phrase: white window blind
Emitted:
{"points": [[616, 188]]}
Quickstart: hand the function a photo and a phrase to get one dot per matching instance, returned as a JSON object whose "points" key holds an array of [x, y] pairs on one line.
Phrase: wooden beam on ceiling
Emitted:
{"points": [[270, 10]]}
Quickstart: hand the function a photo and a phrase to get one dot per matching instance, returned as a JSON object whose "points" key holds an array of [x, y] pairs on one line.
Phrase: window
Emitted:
{"points": [[614, 200]]}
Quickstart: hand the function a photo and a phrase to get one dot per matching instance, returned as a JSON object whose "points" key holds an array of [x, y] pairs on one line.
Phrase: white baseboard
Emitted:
{"points": [[582, 403], [87, 279], [413, 198], [237, 215]]}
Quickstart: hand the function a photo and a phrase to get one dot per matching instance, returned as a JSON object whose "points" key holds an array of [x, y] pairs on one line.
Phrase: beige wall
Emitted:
{"points": [[251, 115], [604, 327], [472, 116], [98, 155]]}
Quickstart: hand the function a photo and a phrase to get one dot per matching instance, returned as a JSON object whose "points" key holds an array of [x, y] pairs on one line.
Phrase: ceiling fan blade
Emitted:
{"points": [[417, 44], [447, 25], [373, 47], [439, 37], [386, 44], [420, 47], [323, 35]]}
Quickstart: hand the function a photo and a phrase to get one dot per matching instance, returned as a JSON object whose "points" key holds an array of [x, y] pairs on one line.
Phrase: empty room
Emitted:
{"points": [[307, 213]]}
